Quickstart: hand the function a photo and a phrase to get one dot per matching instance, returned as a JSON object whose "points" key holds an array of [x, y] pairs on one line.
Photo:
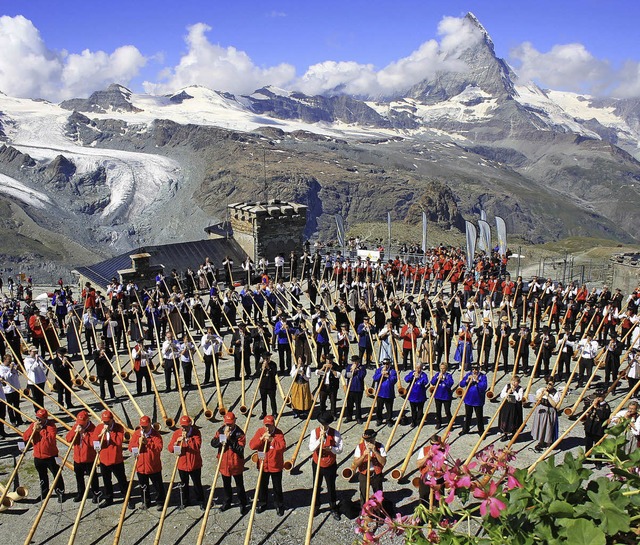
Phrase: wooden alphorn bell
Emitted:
{"points": [[397, 474], [34, 526], [5, 501]]}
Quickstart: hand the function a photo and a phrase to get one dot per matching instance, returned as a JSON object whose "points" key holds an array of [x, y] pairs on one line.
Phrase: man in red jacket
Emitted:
{"points": [[186, 444], [270, 443], [107, 440], [45, 451], [230, 441], [84, 455], [146, 446], [328, 442]]}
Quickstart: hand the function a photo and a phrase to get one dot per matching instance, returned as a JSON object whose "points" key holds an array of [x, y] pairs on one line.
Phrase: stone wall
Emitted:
{"points": [[626, 272]]}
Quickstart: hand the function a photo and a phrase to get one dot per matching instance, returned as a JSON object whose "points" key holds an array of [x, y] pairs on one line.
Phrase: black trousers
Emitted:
{"points": [[196, 479], [43, 466], [354, 399], [13, 400], [226, 483], [63, 393], [271, 394], [156, 480], [208, 367], [332, 396], [276, 484], [386, 404], [116, 470], [187, 369], [586, 367], [81, 469], [375, 482], [143, 375], [36, 391], [241, 358], [469, 410], [440, 404], [329, 475], [284, 356], [109, 382], [169, 371], [417, 410]]}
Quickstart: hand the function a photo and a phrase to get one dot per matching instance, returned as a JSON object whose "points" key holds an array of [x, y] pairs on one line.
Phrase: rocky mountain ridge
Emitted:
{"points": [[123, 169]]}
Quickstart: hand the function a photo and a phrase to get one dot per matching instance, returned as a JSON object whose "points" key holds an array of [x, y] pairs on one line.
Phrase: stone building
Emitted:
{"points": [[626, 272], [265, 229]]}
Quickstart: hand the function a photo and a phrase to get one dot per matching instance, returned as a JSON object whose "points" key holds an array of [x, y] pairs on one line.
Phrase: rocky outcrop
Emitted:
{"points": [[114, 98], [58, 173], [15, 159]]}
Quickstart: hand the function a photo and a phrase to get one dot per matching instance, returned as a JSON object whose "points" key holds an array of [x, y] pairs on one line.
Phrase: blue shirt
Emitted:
{"points": [[357, 380], [444, 390], [475, 394], [387, 390], [419, 391]]}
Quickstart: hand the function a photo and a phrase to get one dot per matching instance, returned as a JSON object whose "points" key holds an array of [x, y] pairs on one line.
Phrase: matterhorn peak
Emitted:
{"points": [[477, 24]]}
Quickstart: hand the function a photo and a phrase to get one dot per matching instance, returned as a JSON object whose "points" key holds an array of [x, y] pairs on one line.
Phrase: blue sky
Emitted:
{"points": [[72, 47]]}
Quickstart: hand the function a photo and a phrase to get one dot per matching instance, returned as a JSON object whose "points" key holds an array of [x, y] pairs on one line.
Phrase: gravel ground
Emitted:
{"points": [[182, 526]]}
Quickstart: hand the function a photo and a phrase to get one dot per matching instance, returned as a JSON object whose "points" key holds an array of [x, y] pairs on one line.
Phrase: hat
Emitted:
{"points": [[42, 413], [475, 367], [369, 434], [325, 418], [33, 349], [185, 420], [329, 357], [486, 320], [269, 420], [545, 328], [229, 418], [386, 361], [145, 421], [355, 357], [323, 314], [106, 416], [600, 392], [504, 319], [82, 417], [140, 340]]}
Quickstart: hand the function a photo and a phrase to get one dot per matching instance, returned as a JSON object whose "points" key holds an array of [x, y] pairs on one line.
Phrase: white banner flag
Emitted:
{"points": [[472, 234], [501, 231]]}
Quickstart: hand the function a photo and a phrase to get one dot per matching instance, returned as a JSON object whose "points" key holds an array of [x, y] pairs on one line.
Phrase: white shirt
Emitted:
{"points": [[36, 371], [11, 377], [314, 442], [517, 394], [589, 348], [382, 453], [168, 349]]}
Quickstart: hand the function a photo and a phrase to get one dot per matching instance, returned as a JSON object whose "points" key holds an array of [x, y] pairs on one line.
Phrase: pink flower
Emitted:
{"points": [[490, 502], [512, 483], [433, 537]]}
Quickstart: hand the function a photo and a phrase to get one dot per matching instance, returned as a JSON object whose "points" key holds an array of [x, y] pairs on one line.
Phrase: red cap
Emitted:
{"points": [[106, 416], [185, 420], [229, 418], [42, 413], [82, 417], [269, 420], [145, 421]]}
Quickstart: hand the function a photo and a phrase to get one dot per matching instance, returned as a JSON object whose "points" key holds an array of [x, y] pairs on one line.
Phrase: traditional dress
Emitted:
{"points": [[510, 418], [545, 421], [301, 398]]}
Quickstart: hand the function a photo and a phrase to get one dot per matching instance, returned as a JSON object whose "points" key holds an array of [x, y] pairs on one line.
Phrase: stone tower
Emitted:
{"points": [[265, 229]]}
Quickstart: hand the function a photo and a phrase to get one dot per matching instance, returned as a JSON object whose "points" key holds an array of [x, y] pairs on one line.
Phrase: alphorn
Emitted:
{"points": [[168, 421], [167, 499], [207, 509], [14, 473], [344, 403], [401, 413], [127, 497], [34, 526], [91, 378], [314, 495], [447, 431], [484, 433], [254, 504], [253, 402], [490, 393], [76, 523], [397, 474], [20, 493], [288, 464]]}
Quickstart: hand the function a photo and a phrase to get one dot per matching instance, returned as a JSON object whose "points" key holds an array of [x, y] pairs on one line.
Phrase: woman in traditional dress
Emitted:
{"points": [[545, 421], [464, 351], [198, 312], [301, 399], [510, 418]]}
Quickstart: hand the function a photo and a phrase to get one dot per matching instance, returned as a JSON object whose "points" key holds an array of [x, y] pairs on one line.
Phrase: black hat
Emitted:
{"points": [[355, 357], [545, 328], [323, 314], [325, 418], [329, 357], [599, 392], [369, 434]]}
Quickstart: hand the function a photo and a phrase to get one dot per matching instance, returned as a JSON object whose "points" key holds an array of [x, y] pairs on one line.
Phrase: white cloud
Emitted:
{"points": [[29, 69], [569, 67], [219, 68], [628, 81]]}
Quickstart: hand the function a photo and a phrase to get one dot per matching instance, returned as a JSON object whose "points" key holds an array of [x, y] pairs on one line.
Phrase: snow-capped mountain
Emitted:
{"points": [[118, 169]]}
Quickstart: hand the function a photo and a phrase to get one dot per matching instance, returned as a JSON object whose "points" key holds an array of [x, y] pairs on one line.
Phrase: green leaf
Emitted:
{"points": [[581, 532], [561, 509]]}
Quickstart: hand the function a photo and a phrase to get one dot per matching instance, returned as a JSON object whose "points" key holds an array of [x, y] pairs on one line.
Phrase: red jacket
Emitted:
{"points": [[149, 452], [37, 325], [274, 457], [231, 455], [83, 450], [377, 467], [111, 451], [190, 458], [44, 441], [409, 335]]}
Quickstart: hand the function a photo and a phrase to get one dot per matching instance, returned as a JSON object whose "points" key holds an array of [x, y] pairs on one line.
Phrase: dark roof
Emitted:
{"points": [[179, 256]]}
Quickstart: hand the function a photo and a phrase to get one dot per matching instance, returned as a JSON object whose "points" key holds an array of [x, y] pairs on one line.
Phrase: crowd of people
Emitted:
{"points": [[337, 327]]}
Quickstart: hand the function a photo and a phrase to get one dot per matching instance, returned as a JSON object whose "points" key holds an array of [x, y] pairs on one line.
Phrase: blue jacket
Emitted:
{"points": [[281, 333], [419, 391], [387, 389], [357, 382], [364, 337], [475, 394], [444, 391]]}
